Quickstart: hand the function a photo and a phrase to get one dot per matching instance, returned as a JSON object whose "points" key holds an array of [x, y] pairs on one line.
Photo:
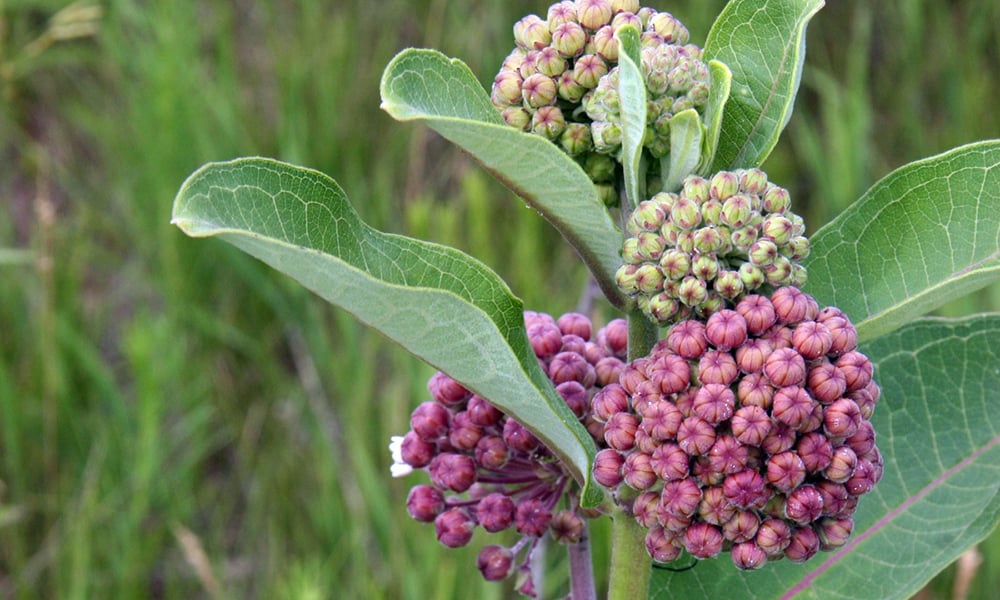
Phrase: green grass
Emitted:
{"points": [[178, 421]]}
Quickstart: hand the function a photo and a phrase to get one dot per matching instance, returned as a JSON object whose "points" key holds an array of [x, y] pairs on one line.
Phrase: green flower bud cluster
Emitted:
{"points": [[702, 249], [676, 80], [558, 62]]}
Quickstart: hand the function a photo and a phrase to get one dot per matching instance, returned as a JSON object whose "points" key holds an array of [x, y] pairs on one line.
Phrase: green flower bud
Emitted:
{"points": [[629, 6], [654, 184], [538, 90], [777, 228], [648, 216], [532, 33], [743, 238], [798, 225], [685, 241], [642, 303], [630, 251], [561, 13], [705, 267], [692, 291], [753, 181], [600, 167], [649, 278], [662, 307], [593, 14], [548, 122], [626, 279], [506, 89], [605, 44], [645, 13], [711, 212], [589, 69], [670, 232], [776, 199], [674, 264], [723, 185], [665, 200], [707, 240], [728, 284], [548, 62], [685, 214], [698, 94], [651, 245], [529, 65], [657, 84], [797, 248], [763, 252], [576, 139], [607, 194], [607, 136], [569, 39], [514, 60], [778, 272], [736, 211], [650, 39], [712, 304], [696, 188], [515, 116], [798, 278], [568, 89], [670, 29], [752, 276]]}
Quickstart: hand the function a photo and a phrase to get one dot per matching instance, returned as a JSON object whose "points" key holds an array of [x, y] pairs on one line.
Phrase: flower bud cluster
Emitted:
{"points": [[716, 240], [747, 433], [486, 469], [548, 84]]}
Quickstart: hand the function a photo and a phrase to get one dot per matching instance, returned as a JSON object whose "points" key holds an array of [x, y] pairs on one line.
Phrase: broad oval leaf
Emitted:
{"points": [[926, 233], [442, 93], [438, 303], [763, 44], [938, 428], [632, 99]]}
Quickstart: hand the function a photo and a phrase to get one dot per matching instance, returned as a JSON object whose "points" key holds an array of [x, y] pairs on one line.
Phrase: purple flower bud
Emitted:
{"points": [[680, 497], [785, 367], [574, 324], [746, 489], [751, 354], [416, 452], [714, 402], [613, 337], [785, 471], [608, 468], [453, 528], [857, 370], [826, 382], [841, 419], [491, 452], [684, 401], [747, 556], [495, 512], [843, 334], [687, 339], [811, 339], [464, 434], [780, 438], [758, 313], [670, 372], [755, 390], [834, 497], [455, 472], [717, 367], [670, 462], [815, 450], [570, 366], [619, 431], [704, 473], [561, 12], [793, 407], [834, 533], [610, 400], [575, 396], [424, 503], [750, 425], [863, 440], [714, 507], [675, 523], [645, 395], [661, 420], [518, 438], [566, 527], [803, 545], [481, 412], [495, 562], [863, 478], [727, 455], [695, 435], [792, 305], [662, 545], [637, 472], [779, 337], [842, 465], [644, 442], [608, 370], [726, 330], [646, 509], [742, 527], [532, 518], [545, 339], [633, 375], [703, 540], [773, 536], [430, 421]]}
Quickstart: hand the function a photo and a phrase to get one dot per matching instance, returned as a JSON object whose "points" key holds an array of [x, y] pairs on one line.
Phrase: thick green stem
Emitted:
{"points": [[628, 578]]}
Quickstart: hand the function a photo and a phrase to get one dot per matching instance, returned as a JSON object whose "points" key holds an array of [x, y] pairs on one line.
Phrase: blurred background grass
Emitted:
{"points": [[178, 421]]}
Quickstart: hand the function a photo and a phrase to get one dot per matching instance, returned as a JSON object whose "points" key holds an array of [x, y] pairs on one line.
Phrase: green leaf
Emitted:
{"points": [[436, 302], [442, 93], [632, 99], [720, 81], [927, 233], [686, 131], [938, 428], [763, 44]]}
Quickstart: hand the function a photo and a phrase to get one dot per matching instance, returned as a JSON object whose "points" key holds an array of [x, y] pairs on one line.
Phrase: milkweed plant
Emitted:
{"points": [[770, 406]]}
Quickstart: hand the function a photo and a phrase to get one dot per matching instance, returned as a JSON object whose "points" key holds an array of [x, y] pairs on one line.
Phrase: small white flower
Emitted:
{"points": [[399, 468]]}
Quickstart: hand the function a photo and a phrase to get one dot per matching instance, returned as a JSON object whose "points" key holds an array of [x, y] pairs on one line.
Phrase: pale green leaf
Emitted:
{"points": [[632, 99], [442, 93], [763, 44], [927, 233], [436, 302], [686, 132], [938, 428], [720, 80]]}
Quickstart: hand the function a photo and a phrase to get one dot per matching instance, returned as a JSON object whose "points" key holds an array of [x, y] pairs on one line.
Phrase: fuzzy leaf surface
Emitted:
{"points": [[632, 97], [938, 428], [427, 87], [763, 44], [436, 302], [926, 233]]}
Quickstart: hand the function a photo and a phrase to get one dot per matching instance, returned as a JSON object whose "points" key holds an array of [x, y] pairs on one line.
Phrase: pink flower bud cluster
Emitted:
{"points": [[701, 249], [486, 469], [747, 433]]}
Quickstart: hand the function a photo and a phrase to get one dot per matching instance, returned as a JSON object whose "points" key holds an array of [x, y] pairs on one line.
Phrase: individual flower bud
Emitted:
{"points": [[793, 407], [588, 70], [797, 248], [661, 544], [705, 266], [570, 366], [495, 512], [842, 465], [518, 438], [780, 438], [608, 467], [609, 401], [785, 471], [726, 330], [729, 285], [667, 27], [491, 452], [792, 305], [661, 420], [742, 527], [455, 472], [645, 395], [627, 280], [680, 497], [841, 418], [549, 62], [506, 89], [633, 375], [637, 472], [464, 434], [593, 14], [826, 382], [727, 455], [692, 291], [763, 252], [803, 545], [715, 508], [454, 527], [746, 489], [545, 339], [495, 562], [750, 425], [714, 403], [532, 518], [516, 117], [703, 540], [777, 228], [751, 355], [779, 337], [538, 90], [674, 264], [696, 189], [775, 199], [566, 527], [430, 421], [785, 367], [815, 450], [605, 44], [415, 452], [863, 478], [748, 556], [833, 533], [607, 136], [857, 369], [481, 412], [758, 313], [834, 495], [843, 334], [695, 435], [670, 372], [779, 272], [548, 122], [723, 185], [717, 367], [736, 211], [755, 390], [531, 33], [669, 462], [425, 503], [685, 213], [646, 509], [773, 536], [647, 216], [751, 275], [863, 439], [576, 397], [619, 431]]}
